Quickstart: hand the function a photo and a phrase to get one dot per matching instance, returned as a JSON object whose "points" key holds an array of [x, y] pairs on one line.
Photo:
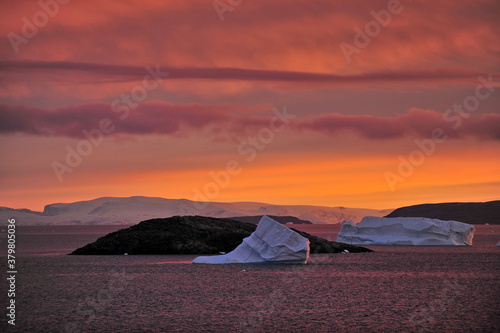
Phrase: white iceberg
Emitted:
{"points": [[271, 242], [405, 231]]}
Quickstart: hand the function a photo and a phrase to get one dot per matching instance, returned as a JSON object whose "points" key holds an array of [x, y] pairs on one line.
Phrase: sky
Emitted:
{"points": [[373, 104]]}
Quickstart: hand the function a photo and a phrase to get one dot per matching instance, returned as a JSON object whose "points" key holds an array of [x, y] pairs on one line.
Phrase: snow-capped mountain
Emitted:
{"points": [[132, 210]]}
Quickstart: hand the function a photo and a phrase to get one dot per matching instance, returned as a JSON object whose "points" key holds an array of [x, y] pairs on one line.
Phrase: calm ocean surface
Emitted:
{"points": [[395, 289]]}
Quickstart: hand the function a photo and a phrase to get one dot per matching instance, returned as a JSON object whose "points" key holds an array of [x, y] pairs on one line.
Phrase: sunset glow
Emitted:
{"points": [[373, 104]]}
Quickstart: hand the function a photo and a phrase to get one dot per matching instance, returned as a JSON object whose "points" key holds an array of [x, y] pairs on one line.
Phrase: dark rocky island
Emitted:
{"points": [[281, 219], [190, 235], [467, 212]]}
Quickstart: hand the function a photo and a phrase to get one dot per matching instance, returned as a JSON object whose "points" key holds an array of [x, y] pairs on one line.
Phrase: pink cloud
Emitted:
{"points": [[415, 123], [171, 119], [107, 71], [147, 118], [299, 36]]}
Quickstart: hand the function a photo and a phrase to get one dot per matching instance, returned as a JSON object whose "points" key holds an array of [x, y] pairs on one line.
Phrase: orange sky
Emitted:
{"points": [[377, 104]]}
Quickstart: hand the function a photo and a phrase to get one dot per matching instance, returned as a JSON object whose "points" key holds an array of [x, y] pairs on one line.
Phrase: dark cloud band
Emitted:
{"points": [[171, 119], [137, 72]]}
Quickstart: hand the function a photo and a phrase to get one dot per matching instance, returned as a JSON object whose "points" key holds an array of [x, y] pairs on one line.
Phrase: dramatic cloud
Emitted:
{"points": [[171, 119], [301, 36], [147, 118], [415, 123], [106, 71], [213, 83]]}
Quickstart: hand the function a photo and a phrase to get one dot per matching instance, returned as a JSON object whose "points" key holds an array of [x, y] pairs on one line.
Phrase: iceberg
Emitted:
{"points": [[405, 231], [271, 242]]}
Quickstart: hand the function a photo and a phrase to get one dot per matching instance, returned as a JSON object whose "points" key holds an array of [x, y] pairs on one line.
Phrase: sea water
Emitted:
{"points": [[395, 289]]}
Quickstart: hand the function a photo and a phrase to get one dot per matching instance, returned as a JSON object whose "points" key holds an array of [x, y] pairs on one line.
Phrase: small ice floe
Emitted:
{"points": [[498, 244], [221, 252], [345, 251], [125, 254], [243, 270]]}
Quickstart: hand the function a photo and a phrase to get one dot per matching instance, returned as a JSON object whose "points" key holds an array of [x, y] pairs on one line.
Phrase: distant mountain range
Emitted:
{"points": [[132, 210], [468, 212]]}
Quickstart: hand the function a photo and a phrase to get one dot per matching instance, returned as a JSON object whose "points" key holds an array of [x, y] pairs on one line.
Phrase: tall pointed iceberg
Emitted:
{"points": [[271, 242]]}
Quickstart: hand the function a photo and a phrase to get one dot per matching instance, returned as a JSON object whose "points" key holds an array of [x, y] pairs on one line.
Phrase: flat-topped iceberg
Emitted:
{"points": [[405, 231], [271, 242]]}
